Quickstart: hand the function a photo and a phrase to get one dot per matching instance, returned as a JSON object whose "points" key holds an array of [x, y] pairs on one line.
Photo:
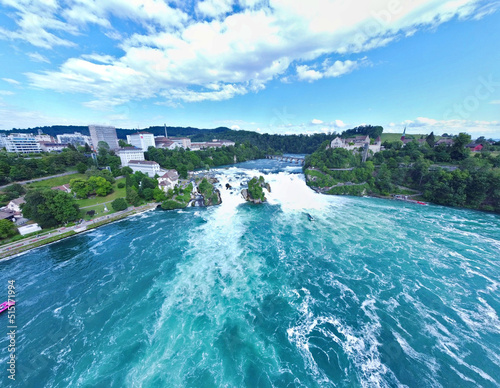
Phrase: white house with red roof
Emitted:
{"points": [[168, 180]]}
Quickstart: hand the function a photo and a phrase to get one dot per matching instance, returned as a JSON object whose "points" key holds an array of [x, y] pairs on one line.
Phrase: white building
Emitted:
{"points": [[23, 143], [142, 140], [211, 144], [77, 139], [15, 205], [45, 138], [102, 133], [145, 166], [24, 230], [356, 142], [166, 143], [168, 180], [130, 153], [183, 142], [52, 147]]}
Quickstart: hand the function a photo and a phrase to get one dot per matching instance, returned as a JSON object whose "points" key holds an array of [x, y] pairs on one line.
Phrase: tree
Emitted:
{"points": [[14, 191], [81, 167], [50, 208], [80, 187], [7, 229], [458, 149], [431, 139], [100, 185], [159, 195], [102, 148], [123, 143], [133, 197], [119, 204], [126, 170]]}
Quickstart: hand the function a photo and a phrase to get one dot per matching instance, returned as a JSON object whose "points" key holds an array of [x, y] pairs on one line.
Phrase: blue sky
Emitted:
{"points": [[275, 66]]}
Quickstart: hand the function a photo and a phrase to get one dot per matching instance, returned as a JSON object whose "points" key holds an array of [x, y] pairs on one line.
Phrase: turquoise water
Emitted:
{"points": [[372, 293]]}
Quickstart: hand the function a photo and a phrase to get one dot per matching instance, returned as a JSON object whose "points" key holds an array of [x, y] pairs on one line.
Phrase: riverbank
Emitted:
{"points": [[22, 246]]}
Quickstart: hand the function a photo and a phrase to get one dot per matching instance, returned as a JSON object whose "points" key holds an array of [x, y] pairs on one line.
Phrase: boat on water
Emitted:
{"points": [[5, 305], [408, 199], [311, 218]]}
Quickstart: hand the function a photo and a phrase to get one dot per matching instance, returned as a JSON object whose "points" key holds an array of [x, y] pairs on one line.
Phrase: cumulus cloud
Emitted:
{"points": [[316, 122], [337, 69], [216, 54]]}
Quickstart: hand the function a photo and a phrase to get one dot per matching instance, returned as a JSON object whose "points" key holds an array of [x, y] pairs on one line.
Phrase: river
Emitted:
{"points": [[372, 293]]}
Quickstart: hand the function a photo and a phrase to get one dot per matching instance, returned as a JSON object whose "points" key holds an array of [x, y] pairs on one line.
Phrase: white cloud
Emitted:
{"points": [[235, 127], [214, 8], [37, 57], [307, 74], [6, 93], [424, 125], [316, 122], [495, 102], [337, 69], [177, 57], [340, 124], [11, 81]]}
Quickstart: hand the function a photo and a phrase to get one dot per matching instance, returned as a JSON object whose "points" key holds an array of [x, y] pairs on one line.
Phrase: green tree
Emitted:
{"points": [[431, 139], [100, 185], [119, 204], [458, 150], [103, 148], [126, 170], [133, 197], [81, 167], [50, 208], [80, 187], [14, 191], [7, 229], [123, 143]]}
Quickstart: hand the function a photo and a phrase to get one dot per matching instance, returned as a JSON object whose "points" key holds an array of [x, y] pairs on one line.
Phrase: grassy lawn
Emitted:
{"points": [[59, 181], [117, 193], [99, 211]]}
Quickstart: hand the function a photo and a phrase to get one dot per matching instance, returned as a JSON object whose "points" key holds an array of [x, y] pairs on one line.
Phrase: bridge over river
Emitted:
{"points": [[290, 159]]}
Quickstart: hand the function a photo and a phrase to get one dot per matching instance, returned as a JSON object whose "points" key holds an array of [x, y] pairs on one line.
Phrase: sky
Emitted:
{"points": [[272, 66]]}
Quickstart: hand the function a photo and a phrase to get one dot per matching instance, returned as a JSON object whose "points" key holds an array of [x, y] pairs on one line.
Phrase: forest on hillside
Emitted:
{"points": [[445, 175]]}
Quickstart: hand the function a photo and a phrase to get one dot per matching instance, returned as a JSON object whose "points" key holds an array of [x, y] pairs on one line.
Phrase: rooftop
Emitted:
{"points": [[146, 162]]}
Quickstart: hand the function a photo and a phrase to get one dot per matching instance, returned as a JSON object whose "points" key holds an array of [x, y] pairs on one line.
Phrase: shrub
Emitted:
{"points": [[171, 204], [121, 185], [119, 204]]}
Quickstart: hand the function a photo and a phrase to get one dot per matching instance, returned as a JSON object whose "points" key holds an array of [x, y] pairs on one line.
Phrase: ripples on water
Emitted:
{"points": [[371, 293]]}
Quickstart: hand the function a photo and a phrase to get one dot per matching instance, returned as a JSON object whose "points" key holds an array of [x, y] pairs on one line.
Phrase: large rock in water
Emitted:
{"points": [[248, 198], [262, 184]]}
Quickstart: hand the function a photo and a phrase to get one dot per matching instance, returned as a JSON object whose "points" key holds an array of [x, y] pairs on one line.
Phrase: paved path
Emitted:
{"points": [[41, 179], [78, 228]]}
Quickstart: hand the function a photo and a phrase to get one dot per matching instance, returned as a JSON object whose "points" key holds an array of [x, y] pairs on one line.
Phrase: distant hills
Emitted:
{"points": [[298, 144], [122, 133]]}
